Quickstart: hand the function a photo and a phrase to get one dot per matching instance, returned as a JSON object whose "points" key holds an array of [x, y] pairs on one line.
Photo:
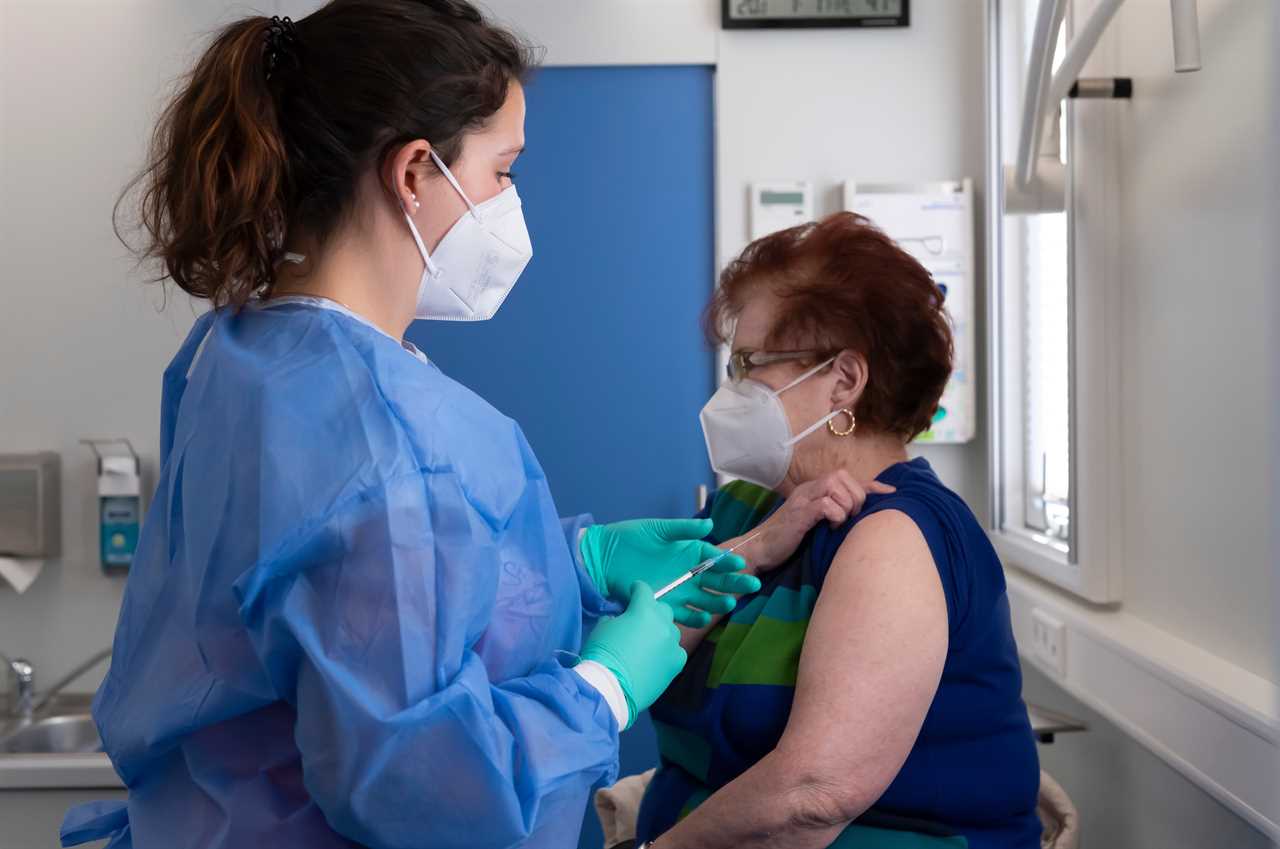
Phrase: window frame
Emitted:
{"points": [[1091, 569]]}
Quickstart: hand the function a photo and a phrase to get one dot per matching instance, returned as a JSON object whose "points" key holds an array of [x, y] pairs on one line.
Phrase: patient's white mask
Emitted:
{"points": [[747, 432]]}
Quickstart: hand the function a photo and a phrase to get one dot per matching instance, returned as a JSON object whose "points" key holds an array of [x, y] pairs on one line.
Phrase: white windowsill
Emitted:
{"points": [[1216, 723], [1040, 558]]}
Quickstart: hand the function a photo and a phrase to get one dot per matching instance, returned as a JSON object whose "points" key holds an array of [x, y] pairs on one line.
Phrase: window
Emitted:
{"points": [[1038, 243], [1051, 392]]}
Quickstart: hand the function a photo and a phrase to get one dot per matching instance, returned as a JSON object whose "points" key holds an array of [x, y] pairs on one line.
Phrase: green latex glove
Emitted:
{"points": [[641, 647], [657, 551]]}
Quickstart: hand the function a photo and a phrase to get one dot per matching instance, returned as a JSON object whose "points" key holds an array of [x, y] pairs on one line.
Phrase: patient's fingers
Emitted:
{"points": [[849, 485], [838, 486], [834, 513], [866, 489]]}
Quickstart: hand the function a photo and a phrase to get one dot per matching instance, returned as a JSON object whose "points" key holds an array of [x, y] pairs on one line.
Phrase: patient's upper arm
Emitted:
{"points": [[872, 659]]}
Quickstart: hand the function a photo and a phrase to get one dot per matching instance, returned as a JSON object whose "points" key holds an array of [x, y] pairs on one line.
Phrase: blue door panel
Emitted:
{"points": [[598, 352]]}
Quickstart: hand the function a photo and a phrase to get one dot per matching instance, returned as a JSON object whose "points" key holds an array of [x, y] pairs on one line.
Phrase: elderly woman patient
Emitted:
{"points": [[869, 695]]}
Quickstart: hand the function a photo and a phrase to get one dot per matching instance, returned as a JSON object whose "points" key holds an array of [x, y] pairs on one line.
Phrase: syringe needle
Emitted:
{"points": [[705, 565]]}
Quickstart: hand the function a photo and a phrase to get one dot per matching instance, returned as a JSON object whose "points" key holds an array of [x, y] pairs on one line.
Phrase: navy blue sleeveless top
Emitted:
{"points": [[973, 772]]}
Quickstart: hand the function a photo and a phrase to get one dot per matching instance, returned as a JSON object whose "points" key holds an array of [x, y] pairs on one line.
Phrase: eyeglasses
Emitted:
{"points": [[742, 362]]}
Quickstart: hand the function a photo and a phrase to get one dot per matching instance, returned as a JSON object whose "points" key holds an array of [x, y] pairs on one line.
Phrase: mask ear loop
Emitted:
{"points": [[816, 426], [432, 268], [821, 422], [453, 181], [291, 258], [808, 374]]}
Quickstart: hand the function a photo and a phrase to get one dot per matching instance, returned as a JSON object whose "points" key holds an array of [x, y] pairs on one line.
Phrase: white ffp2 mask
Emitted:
{"points": [[478, 261], [747, 432]]}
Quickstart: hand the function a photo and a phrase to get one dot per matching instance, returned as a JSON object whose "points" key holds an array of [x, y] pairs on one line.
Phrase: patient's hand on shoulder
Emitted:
{"points": [[834, 497]]}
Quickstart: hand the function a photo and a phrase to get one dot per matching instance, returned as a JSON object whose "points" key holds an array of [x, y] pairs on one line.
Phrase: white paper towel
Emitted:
{"points": [[20, 573]]}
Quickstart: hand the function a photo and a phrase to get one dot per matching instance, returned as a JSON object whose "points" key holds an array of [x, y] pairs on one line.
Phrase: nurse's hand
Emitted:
{"points": [[641, 648], [657, 551], [834, 497]]}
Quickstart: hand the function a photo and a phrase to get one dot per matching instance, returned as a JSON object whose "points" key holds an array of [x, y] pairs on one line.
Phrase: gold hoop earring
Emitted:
{"points": [[846, 432]]}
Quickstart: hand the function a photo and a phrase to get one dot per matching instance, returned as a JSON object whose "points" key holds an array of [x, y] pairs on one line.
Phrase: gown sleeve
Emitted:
{"points": [[368, 625]]}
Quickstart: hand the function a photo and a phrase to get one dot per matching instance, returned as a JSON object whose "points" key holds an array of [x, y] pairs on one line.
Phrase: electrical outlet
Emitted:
{"points": [[1049, 641]]}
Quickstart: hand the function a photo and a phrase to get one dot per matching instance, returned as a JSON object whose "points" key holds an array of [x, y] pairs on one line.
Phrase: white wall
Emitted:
{"points": [[1126, 796], [1200, 172], [81, 341], [612, 32]]}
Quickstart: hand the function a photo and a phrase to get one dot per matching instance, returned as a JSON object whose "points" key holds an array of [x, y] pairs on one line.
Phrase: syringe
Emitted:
{"points": [[705, 565]]}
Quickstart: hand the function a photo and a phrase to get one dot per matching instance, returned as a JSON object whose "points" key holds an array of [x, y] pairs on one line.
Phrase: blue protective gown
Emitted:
{"points": [[342, 624]]}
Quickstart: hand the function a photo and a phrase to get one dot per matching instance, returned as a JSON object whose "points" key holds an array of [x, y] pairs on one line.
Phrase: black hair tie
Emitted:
{"points": [[280, 45]]}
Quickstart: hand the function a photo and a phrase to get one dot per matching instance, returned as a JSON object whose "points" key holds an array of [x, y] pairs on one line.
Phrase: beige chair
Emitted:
{"points": [[1060, 819], [619, 805]]}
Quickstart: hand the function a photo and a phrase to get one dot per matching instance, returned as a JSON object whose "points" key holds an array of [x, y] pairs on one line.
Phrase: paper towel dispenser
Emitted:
{"points": [[31, 505]]}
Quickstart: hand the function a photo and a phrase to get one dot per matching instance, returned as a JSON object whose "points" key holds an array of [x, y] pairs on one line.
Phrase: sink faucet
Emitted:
{"points": [[24, 680], [71, 676], [26, 703]]}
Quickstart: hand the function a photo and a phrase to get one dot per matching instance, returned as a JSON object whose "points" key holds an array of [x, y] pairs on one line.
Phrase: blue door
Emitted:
{"points": [[598, 351]]}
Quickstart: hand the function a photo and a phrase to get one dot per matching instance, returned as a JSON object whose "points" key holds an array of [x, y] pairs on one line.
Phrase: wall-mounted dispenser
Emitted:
{"points": [[30, 515], [119, 500], [30, 505]]}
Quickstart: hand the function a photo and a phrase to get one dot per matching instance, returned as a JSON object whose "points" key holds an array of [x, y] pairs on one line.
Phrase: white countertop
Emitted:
{"points": [[57, 772]]}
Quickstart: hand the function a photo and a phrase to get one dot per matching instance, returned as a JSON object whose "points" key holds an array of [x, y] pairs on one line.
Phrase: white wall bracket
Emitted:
{"points": [[1035, 183]]}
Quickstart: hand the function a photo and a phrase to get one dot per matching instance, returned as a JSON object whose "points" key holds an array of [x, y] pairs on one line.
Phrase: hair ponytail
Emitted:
{"points": [[214, 184]]}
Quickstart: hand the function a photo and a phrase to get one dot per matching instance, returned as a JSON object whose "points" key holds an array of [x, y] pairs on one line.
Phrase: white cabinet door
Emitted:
{"points": [[30, 819]]}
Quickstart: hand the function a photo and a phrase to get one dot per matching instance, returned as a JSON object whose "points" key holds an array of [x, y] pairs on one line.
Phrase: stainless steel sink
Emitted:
{"points": [[68, 734]]}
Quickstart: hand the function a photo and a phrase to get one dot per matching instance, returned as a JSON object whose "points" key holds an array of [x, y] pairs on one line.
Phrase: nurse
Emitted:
{"points": [[355, 617]]}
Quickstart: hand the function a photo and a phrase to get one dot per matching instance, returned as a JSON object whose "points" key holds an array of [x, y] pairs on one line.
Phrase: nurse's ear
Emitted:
{"points": [[405, 172], [850, 370]]}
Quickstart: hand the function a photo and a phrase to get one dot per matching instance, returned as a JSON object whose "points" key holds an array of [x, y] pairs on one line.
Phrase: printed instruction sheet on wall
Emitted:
{"points": [[934, 223]]}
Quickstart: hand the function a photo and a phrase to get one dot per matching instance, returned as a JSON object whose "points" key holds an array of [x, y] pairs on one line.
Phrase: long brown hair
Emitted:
{"points": [[269, 134]]}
